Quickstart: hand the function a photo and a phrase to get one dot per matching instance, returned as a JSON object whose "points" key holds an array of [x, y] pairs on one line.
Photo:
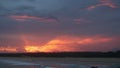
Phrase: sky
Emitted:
{"points": [[59, 25]]}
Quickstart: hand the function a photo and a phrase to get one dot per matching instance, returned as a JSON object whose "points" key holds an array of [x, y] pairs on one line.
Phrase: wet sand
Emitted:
{"points": [[32, 62]]}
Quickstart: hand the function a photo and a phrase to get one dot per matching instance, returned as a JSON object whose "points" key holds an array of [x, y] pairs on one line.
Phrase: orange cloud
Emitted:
{"points": [[58, 44], [108, 3], [94, 40], [8, 49], [32, 48], [65, 43], [51, 46], [34, 18]]}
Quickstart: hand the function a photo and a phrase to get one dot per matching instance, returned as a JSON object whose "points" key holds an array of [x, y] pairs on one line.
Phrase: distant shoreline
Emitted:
{"points": [[65, 54]]}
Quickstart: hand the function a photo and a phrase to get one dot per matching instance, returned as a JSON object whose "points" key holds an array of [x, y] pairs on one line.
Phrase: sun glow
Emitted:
{"points": [[49, 47], [63, 43], [32, 48]]}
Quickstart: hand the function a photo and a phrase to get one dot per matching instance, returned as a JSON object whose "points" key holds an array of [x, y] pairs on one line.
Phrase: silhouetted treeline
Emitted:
{"points": [[65, 54]]}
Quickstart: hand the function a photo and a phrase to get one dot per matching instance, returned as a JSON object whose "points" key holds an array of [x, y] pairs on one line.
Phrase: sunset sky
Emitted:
{"points": [[59, 25]]}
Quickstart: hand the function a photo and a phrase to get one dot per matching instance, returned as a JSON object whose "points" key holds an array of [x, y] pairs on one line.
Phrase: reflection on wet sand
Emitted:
{"points": [[60, 66], [49, 63], [44, 66]]}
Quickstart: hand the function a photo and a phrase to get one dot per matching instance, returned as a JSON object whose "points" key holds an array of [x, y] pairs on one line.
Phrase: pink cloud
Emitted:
{"points": [[108, 3], [80, 21], [23, 18]]}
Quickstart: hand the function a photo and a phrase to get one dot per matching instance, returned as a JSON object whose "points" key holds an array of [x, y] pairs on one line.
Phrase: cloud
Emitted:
{"points": [[8, 49], [34, 18], [42, 22], [108, 3], [57, 44], [41, 6], [81, 21], [68, 43]]}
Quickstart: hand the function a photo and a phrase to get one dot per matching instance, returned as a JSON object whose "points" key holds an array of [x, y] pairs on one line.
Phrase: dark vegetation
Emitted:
{"points": [[65, 54]]}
